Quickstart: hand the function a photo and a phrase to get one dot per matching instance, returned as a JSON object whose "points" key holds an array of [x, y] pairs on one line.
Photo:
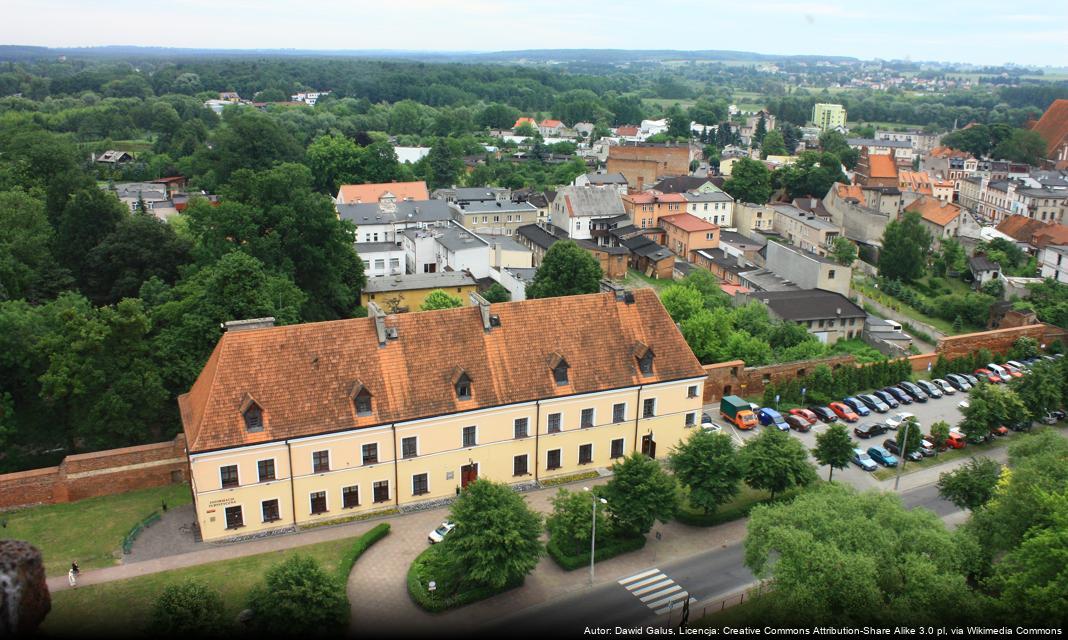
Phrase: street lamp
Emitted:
{"points": [[903, 449], [593, 532]]}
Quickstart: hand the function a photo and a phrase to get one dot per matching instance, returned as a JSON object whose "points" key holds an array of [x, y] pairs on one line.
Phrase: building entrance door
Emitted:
{"points": [[468, 473], [649, 446]]}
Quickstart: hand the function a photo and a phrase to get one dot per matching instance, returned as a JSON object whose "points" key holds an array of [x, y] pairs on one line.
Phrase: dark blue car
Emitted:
{"points": [[857, 406]]}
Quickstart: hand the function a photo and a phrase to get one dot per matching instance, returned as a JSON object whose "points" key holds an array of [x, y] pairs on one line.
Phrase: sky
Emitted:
{"points": [[973, 31]]}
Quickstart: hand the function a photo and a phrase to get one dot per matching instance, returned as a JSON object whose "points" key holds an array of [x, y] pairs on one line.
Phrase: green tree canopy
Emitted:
{"points": [[844, 251], [27, 268], [681, 301], [905, 246], [639, 494], [709, 466], [438, 299], [834, 448], [570, 525], [140, 247], [566, 270], [188, 608], [298, 597], [775, 461], [750, 182], [971, 486], [773, 145]]}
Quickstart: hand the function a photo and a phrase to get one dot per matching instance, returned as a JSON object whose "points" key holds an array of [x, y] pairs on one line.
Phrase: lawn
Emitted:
{"points": [[89, 531], [904, 309], [637, 279], [124, 607], [737, 508]]}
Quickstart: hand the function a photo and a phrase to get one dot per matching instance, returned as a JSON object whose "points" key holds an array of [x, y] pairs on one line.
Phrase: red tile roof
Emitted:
{"points": [[1053, 125], [524, 120], [552, 124], [849, 191], [1020, 228], [371, 193], [882, 166], [934, 210], [302, 376], [688, 222], [627, 130]]}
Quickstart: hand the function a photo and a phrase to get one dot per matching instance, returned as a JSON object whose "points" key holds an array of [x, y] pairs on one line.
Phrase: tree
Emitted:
{"points": [[438, 299], [939, 433], [570, 525], [709, 466], [837, 557], [681, 302], [496, 293], [908, 440], [298, 597], [812, 175], [708, 286], [496, 540], [971, 486], [834, 142], [1022, 145], [905, 246], [761, 130], [706, 334], [1032, 578], [678, 123], [1023, 348], [834, 448], [1041, 390], [566, 270], [444, 163], [140, 247], [990, 407], [639, 494], [188, 608], [89, 216], [497, 116], [776, 462], [526, 130], [334, 160], [843, 251], [950, 257], [250, 139], [773, 145], [27, 268], [750, 181]]}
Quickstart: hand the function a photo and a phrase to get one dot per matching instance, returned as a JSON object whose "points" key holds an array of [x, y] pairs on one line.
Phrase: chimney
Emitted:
{"points": [[375, 313], [483, 309], [248, 325]]}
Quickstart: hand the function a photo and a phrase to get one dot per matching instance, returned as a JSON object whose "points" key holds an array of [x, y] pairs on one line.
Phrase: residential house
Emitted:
{"points": [[807, 270], [515, 280], [1053, 127], [876, 171], [650, 258], [690, 184], [736, 244], [983, 269], [613, 259], [686, 233], [382, 192], [716, 207], [400, 294], [551, 128], [942, 219], [472, 194], [753, 218], [525, 120], [381, 258], [921, 183], [539, 239], [311, 423], [921, 142], [859, 222], [949, 164], [501, 217], [1053, 262], [650, 128], [381, 222], [576, 209], [113, 157], [616, 180], [445, 246], [806, 230], [229, 96], [901, 152], [748, 130], [828, 315], [645, 208], [645, 163], [505, 251], [728, 268], [828, 116]]}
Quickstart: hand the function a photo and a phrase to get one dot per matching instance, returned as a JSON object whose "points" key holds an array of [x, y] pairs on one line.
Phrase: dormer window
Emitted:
{"points": [[361, 399], [253, 418], [559, 368], [461, 383], [644, 355]]}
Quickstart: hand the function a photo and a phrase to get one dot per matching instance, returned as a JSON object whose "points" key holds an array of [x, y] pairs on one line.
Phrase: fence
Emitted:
{"points": [[701, 610], [127, 542]]}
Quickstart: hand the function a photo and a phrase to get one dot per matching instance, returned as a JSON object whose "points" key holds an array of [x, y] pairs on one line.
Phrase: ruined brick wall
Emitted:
{"points": [[101, 473], [998, 341], [734, 378]]}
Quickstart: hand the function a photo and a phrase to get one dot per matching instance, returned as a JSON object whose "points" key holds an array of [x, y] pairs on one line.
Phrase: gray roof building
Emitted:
{"points": [[809, 304], [405, 211], [419, 281], [606, 178]]}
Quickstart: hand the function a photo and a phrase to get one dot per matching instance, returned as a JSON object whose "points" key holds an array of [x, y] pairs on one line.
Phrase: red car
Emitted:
{"points": [[844, 412], [1012, 371], [804, 414], [989, 375], [1000, 431]]}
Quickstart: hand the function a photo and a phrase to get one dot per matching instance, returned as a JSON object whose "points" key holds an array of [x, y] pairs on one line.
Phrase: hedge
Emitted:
{"points": [[609, 548], [363, 543], [435, 602], [720, 516]]}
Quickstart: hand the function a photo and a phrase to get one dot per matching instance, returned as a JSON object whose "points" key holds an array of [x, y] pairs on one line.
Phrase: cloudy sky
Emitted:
{"points": [[976, 31]]}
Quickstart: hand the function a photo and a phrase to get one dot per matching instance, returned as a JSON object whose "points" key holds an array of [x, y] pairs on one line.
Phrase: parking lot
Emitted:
{"points": [[927, 413]]}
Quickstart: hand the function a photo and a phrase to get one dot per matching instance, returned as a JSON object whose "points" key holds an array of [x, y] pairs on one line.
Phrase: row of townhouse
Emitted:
{"points": [[1041, 195], [301, 424]]}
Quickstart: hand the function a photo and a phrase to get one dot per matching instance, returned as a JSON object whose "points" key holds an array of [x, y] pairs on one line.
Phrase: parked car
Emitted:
{"points": [[798, 423], [770, 417], [863, 460], [898, 419], [943, 384], [973, 439], [825, 414], [963, 404], [708, 425], [955, 440], [887, 398], [988, 375], [437, 535], [882, 456], [1012, 371], [1000, 431], [998, 369], [930, 388], [891, 445], [869, 429], [1020, 425], [1019, 366], [844, 412], [873, 403], [959, 382], [927, 447], [857, 406], [1053, 417], [899, 395], [914, 392], [807, 415], [972, 380]]}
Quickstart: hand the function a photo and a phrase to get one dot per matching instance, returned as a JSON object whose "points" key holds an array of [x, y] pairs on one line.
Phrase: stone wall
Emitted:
{"points": [[101, 473], [998, 341]]}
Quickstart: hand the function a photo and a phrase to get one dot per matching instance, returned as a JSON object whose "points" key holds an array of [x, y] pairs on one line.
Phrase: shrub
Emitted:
{"points": [[297, 597], [188, 608], [363, 543], [610, 547], [420, 575]]}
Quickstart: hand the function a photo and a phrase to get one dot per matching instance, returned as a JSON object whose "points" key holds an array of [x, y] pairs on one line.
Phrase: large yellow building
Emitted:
{"points": [[299, 424], [828, 116], [399, 294]]}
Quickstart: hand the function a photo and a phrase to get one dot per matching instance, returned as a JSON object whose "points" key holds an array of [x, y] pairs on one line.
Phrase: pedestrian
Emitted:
{"points": [[74, 568], [72, 577]]}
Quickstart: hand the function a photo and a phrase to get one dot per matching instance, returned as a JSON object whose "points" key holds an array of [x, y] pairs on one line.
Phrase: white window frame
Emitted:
{"points": [[403, 438], [521, 455], [223, 466], [643, 416], [547, 452], [329, 462], [515, 424], [623, 454], [377, 452], [389, 498], [468, 446], [593, 417], [560, 424], [622, 419]]}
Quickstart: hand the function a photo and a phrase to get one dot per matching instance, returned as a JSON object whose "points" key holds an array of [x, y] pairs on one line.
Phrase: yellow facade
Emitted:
{"points": [[412, 299], [441, 453]]}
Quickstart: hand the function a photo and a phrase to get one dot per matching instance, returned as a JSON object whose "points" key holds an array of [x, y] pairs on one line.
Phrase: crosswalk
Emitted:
{"points": [[656, 591]]}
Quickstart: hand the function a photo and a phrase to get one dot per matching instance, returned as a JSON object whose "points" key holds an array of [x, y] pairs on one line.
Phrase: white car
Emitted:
{"points": [[437, 535], [898, 419], [944, 386], [963, 404], [708, 425]]}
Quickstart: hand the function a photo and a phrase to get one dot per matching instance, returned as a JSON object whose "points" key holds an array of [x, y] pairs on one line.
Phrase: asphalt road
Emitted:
{"points": [[705, 576]]}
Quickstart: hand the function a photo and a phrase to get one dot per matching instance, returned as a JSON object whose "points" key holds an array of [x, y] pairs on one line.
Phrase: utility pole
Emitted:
{"points": [[904, 452]]}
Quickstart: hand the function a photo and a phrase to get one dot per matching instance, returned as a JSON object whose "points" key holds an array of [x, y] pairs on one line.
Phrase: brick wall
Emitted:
{"points": [[101, 473], [998, 341]]}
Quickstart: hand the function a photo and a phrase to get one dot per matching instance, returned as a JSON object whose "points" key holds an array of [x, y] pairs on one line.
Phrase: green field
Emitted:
{"points": [[124, 607], [637, 279], [89, 531]]}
